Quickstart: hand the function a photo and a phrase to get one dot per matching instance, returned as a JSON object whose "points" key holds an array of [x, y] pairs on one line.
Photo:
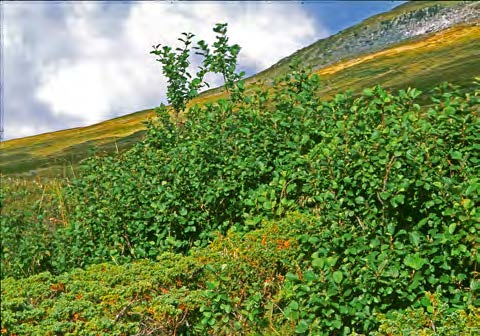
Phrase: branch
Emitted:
{"points": [[124, 310]]}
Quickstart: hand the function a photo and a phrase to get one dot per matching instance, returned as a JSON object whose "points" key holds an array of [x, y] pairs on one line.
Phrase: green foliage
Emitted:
{"points": [[31, 210], [222, 289], [237, 285], [433, 318], [229, 164], [399, 210], [223, 60], [175, 67], [293, 215]]}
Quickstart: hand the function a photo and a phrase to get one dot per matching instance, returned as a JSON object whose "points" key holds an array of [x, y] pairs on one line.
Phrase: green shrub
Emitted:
{"points": [[229, 164], [399, 211], [31, 211], [434, 318]]}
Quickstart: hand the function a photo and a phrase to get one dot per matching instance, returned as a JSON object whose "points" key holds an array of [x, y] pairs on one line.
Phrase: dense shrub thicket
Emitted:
{"points": [[238, 285], [333, 216]]}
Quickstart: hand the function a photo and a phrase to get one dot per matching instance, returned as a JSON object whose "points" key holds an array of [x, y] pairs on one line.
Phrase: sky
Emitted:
{"points": [[69, 64]]}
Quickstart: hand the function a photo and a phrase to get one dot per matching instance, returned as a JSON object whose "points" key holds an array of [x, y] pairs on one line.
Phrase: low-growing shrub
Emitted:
{"points": [[222, 289], [435, 317]]}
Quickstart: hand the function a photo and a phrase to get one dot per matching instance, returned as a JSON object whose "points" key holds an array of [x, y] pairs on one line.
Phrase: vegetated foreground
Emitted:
{"points": [[274, 213]]}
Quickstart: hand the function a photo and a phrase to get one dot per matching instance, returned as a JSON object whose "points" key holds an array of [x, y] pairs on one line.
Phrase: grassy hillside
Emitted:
{"points": [[448, 55], [56, 150], [451, 55]]}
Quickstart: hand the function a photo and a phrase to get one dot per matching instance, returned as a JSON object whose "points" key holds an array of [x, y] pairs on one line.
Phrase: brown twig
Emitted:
{"points": [[124, 310], [387, 171]]}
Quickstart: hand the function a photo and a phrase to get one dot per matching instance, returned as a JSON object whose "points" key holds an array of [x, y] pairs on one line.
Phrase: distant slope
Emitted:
{"points": [[417, 44], [451, 55], [59, 149], [405, 22]]}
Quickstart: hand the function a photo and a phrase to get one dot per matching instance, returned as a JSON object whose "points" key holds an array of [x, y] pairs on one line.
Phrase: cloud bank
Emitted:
{"points": [[74, 64]]}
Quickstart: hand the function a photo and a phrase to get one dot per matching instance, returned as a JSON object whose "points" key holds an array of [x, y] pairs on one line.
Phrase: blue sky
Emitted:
{"points": [[70, 64]]}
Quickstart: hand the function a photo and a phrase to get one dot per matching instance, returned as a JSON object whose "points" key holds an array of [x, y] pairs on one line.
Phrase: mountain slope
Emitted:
{"points": [[416, 44], [407, 22], [451, 55]]}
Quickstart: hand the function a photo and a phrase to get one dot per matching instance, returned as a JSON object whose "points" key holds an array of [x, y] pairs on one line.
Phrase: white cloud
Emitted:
{"points": [[85, 62], [266, 32]]}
